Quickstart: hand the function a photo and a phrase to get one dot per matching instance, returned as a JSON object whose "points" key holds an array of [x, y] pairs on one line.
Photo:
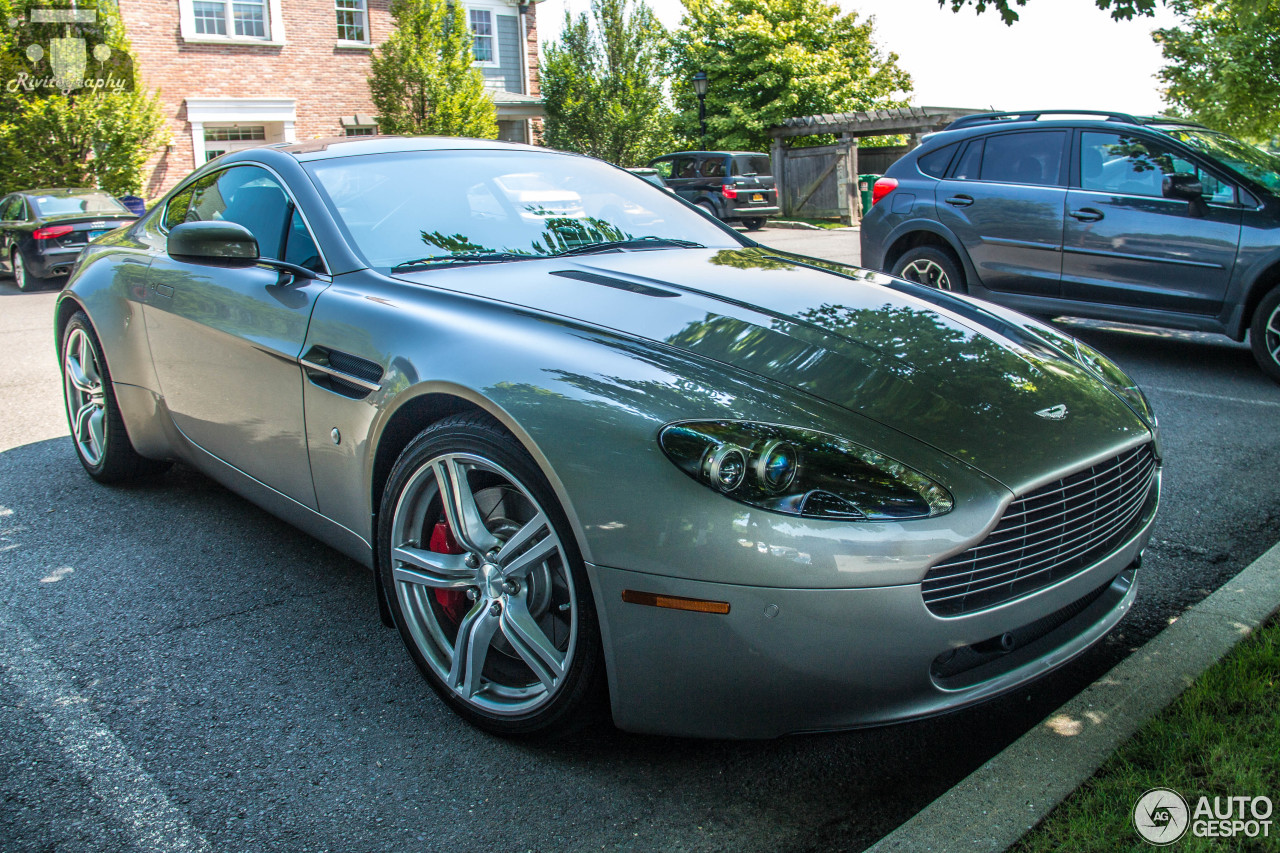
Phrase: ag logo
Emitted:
{"points": [[1161, 816], [1053, 413]]}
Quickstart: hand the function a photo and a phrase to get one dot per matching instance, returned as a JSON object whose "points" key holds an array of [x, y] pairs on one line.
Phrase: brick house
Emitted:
{"points": [[238, 73]]}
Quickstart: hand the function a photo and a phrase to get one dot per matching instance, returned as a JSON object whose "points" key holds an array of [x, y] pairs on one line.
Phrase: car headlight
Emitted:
{"points": [[801, 472], [1117, 380]]}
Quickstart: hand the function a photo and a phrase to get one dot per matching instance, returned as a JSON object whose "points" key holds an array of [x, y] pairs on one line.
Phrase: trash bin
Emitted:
{"points": [[866, 183], [137, 206]]}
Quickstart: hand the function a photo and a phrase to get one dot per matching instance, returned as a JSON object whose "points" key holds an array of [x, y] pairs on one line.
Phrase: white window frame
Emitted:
{"points": [[367, 41], [274, 22], [492, 12]]}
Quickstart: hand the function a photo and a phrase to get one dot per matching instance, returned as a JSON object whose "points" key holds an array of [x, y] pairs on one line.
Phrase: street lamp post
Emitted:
{"points": [[700, 89]]}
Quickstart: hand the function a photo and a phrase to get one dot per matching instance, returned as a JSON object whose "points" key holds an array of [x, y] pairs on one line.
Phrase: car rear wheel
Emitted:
{"points": [[102, 443], [485, 582], [1264, 334], [755, 223], [931, 266], [22, 276], [706, 206]]}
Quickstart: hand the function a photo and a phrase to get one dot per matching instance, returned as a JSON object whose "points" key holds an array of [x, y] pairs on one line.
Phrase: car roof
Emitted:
{"points": [[995, 119], [718, 153], [344, 146], [62, 192]]}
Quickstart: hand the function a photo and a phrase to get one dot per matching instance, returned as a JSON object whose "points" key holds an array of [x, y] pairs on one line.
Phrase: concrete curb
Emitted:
{"points": [[1003, 799], [805, 226]]}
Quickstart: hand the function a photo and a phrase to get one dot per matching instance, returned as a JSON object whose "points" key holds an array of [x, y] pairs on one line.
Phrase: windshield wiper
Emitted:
{"points": [[453, 260], [637, 243]]}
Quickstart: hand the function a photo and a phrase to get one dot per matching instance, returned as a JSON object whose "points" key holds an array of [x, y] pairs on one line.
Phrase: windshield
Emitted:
{"points": [[404, 207], [1246, 159], [52, 205]]}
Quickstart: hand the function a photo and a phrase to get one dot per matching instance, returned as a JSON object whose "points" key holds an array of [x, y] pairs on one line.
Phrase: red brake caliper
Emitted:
{"points": [[453, 602]]}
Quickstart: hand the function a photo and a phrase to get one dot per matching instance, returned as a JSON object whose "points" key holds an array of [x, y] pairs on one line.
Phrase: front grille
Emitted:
{"points": [[1047, 535]]}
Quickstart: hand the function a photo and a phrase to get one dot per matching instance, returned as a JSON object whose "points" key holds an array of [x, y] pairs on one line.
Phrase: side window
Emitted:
{"points": [[713, 168], [246, 195], [686, 167], [971, 162], [663, 167], [1033, 158], [299, 248], [1131, 165], [9, 208], [935, 163]]}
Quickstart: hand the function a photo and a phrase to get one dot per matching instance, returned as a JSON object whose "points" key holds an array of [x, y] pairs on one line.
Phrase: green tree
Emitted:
{"points": [[769, 60], [422, 79], [72, 110], [1121, 10], [1223, 65], [603, 85]]}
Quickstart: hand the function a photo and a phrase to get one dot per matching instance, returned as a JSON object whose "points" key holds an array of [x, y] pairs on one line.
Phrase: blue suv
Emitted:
{"points": [[1156, 221]]}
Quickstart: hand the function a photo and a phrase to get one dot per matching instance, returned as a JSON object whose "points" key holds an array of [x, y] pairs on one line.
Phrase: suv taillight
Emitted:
{"points": [[729, 191], [50, 231], [883, 187]]}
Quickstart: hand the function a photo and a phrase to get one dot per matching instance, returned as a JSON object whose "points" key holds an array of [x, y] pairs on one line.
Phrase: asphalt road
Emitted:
{"points": [[181, 671]]}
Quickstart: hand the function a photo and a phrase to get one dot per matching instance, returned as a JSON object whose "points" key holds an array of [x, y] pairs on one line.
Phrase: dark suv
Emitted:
{"points": [[730, 185], [1145, 220]]}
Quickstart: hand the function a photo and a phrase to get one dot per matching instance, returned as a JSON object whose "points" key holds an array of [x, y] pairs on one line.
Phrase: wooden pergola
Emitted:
{"points": [[822, 181]]}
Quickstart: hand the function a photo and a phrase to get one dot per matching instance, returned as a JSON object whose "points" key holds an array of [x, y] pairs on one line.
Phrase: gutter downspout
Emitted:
{"points": [[523, 7]]}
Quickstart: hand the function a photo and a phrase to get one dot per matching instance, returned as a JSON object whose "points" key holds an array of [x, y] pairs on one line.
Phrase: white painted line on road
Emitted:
{"points": [[1211, 396], [124, 790]]}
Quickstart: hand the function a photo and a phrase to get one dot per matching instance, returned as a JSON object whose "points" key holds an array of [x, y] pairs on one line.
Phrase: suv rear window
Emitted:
{"points": [[935, 162], [747, 164]]}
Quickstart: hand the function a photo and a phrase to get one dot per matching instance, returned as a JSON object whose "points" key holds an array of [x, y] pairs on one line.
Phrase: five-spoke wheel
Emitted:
{"points": [[488, 593], [1264, 334], [930, 266]]}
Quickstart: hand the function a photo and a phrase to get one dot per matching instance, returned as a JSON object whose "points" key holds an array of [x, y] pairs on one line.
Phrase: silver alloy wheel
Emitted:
{"points": [[511, 650], [927, 272], [1271, 336], [86, 400], [19, 270]]}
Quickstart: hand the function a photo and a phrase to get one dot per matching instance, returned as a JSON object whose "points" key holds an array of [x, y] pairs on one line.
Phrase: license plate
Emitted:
{"points": [[757, 197], [94, 235]]}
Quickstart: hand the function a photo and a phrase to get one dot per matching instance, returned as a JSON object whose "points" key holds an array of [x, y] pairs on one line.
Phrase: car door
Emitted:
{"points": [[684, 177], [12, 213], [1126, 244], [1004, 201], [225, 341]]}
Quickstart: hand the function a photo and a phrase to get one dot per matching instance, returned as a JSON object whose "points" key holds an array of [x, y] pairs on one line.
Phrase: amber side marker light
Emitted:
{"points": [[674, 602]]}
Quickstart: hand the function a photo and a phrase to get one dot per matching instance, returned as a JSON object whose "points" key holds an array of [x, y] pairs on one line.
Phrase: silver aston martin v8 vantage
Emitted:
{"points": [[596, 446]]}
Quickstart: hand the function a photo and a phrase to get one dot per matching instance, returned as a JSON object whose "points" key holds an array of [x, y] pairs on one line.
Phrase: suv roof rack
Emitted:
{"points": [[1032, 115]]}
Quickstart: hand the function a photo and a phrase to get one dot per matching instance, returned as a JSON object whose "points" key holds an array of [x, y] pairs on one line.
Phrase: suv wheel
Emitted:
{"points": [[1264, 334], [754, 223], [931, 266], [706, 206]]}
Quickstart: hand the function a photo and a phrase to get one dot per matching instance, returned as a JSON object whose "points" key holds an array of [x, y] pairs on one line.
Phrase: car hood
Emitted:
{"points": [[936, 367]]}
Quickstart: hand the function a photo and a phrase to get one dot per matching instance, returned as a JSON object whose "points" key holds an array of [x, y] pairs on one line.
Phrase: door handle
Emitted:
{"points": [[960, 201], [1087, 214]]}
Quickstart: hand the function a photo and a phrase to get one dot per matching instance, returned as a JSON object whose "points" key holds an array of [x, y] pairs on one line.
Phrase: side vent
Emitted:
{"points": [[618, 283], [342, 373]]}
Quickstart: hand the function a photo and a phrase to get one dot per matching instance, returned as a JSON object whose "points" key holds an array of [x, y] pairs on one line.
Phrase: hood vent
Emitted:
{"points": [[618, 283]]}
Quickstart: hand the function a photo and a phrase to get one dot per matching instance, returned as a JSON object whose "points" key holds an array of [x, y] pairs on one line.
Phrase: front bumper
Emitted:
{"points": [[793, 660]]}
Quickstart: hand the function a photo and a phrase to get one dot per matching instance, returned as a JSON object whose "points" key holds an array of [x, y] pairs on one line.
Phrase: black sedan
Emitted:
{"points": [[43, 231]]}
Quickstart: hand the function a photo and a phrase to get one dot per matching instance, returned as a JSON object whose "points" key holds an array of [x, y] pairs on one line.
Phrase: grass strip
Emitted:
{"points": [[1221, 738]]}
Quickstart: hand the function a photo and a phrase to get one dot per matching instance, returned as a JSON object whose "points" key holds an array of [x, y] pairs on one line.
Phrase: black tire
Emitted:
{"points": [[755, 223], [97, 430], [515, 690], [23, 277], [709, 208], [931, 266], [1264, 334]]}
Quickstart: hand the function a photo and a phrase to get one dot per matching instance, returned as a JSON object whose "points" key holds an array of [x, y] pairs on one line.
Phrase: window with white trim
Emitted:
{"points": [[352, 18], [239, 18], [483, 42], [361, 130]]}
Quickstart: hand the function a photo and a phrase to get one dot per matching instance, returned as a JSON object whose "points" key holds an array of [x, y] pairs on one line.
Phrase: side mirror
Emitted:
{"points": [[1182, 185], [223, 244]]}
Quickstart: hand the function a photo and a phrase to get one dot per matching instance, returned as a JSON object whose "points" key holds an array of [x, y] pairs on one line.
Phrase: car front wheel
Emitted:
{"points": [[931, 266], [1264, 334], [485, 582]]}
